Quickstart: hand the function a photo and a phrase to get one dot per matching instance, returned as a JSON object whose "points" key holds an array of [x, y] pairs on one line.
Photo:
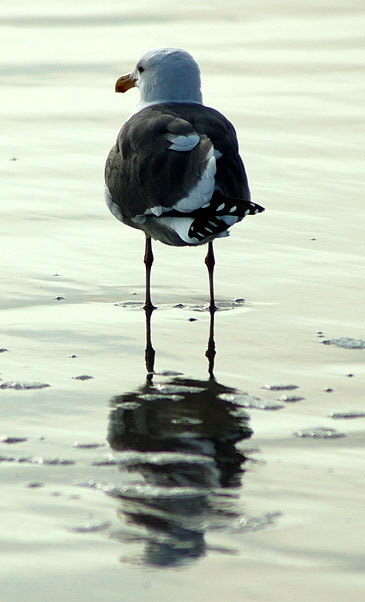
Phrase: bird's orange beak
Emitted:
{"points": [[125, 82]]}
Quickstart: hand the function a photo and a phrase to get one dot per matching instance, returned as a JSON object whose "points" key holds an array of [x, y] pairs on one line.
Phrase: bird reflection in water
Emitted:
{"points": [[179, 443]]}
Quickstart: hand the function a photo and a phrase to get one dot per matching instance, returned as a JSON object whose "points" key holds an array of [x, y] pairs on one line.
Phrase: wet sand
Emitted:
{"points": [[183, 488]]}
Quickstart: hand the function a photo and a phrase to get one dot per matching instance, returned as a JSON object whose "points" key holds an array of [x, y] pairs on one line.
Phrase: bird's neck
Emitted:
{"points": [[143, 104], [173, 88]]}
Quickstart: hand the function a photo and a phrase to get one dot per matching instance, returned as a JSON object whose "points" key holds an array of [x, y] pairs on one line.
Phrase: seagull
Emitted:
{"points": [[175, 171]]}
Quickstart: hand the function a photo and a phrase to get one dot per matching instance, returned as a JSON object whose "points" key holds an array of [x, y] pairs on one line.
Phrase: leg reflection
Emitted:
{"points": [[210, 352], [150, 352]]}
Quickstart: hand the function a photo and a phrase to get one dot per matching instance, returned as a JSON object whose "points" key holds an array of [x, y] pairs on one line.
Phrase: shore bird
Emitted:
{"points": [[175, 171]]}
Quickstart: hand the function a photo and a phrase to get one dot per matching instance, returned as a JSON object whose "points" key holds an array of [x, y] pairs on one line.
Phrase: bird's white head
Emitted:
{"points": [[164, 75]]}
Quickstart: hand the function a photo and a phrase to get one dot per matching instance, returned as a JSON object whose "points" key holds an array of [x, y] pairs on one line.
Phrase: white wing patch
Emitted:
{"points": [[156, 210], [183, 143], [201, 194], [181, 226], [198, 197]]}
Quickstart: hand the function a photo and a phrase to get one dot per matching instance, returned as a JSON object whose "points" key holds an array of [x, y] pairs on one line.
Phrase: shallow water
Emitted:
{"points": [[182, 487]]}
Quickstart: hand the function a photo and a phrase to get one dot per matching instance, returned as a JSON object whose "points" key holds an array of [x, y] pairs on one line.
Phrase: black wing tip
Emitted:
{"points": [[257, 208], [226, 205], [202, 228]]}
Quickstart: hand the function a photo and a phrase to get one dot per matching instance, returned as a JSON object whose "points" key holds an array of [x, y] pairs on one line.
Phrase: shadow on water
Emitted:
{"points": [[179, 443]]}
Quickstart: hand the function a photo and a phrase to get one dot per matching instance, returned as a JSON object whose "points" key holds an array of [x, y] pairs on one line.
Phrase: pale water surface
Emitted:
{"points": [[183, 488]]}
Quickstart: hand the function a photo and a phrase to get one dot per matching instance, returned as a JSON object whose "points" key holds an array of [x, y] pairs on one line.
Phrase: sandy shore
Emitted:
{"points": [[247, 488]]}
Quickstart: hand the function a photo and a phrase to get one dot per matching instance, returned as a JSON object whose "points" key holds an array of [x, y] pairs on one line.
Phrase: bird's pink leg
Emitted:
{"points": [[148, 261], [210, 263]]}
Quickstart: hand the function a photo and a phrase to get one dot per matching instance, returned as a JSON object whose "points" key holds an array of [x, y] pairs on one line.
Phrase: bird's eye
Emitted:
{"points": [[140, 69]]}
